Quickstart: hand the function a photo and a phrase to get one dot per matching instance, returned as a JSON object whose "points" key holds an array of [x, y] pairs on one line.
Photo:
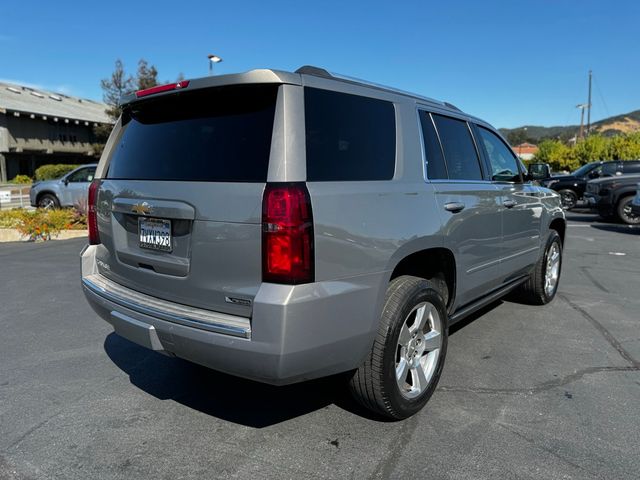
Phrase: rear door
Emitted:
{"points": [[467, 202], [179, 208], [520, 206]]}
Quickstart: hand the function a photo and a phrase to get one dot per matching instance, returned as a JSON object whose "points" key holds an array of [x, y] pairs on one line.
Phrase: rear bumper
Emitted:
{"points": [[295, 333]]}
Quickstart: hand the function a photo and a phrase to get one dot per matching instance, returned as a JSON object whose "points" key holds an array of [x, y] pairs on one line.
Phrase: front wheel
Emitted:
{"points": [[48, 201], [568, 198], [542, 284], [624, 211], [405, 363]]}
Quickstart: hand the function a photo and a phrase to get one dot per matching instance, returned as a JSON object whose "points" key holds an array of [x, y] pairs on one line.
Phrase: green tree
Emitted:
{"points": [[113, 88], [624, 147], [147, 76], [591, 149], [556, 154], [517, 136]]}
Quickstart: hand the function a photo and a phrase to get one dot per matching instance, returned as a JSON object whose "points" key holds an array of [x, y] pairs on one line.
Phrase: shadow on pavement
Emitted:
{"points": [[235, 399], [229, 398], [621, 228], [474, 316]]}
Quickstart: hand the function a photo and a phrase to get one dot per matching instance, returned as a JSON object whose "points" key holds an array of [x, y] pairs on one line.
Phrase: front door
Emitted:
{"points": [[520, 206], [76, 185]]}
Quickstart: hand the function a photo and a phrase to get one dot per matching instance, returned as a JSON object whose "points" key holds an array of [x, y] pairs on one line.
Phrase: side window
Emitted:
{"points": [[605, 170], [459, 151], [82, 175], [504, 165], [436, 169], [348, 137], [630, 167]]}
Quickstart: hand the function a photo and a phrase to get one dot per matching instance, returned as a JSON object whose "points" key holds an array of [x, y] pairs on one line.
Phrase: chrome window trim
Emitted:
{"points": [[188, 321]]}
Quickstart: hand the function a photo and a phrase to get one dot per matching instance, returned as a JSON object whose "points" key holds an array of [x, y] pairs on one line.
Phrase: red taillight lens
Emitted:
{"points": [[92, 215], [287, 234], [162, 88]]}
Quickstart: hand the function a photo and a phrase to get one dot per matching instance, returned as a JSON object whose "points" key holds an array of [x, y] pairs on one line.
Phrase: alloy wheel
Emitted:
{"points": [[418, 349]]}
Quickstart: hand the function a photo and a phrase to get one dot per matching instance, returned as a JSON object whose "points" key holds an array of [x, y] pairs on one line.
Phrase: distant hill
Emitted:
{"points": [[624, 123]]}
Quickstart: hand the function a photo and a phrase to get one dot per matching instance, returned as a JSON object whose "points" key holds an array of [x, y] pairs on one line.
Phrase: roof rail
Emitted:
{"points": [[311, 70], [321, 72], [452, 106]]}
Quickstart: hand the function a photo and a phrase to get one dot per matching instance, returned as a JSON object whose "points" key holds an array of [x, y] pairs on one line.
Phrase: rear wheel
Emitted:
{"points": [[568, 198], [542, 284], [406, 360], [624, 211], [48, 201]]}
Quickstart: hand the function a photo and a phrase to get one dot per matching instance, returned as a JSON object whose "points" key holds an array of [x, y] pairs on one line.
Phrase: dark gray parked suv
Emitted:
{"points": [[287, 226]]}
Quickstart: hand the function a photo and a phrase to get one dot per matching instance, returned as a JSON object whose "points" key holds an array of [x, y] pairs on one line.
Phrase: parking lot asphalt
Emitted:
{"points": [[527, 392]]}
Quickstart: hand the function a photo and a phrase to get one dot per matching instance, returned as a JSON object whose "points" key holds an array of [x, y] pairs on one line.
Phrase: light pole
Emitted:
{"points": [[213, 59]]}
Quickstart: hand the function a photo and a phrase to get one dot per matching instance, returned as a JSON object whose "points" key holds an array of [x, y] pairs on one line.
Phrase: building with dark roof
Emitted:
{"points": [[39, 127]]}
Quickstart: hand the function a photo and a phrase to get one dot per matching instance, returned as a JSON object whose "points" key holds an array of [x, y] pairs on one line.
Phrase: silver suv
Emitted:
{"points": [[288, 226]]}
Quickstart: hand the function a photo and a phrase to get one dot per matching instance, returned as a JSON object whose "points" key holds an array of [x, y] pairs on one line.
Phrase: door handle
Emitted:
{"points": [[454, 207], [509, 203]]}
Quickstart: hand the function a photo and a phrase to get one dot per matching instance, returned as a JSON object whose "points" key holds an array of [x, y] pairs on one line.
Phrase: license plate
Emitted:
{"points": [[155, 233]]}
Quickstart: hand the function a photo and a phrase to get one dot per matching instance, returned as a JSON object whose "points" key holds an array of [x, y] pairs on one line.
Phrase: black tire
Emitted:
{"points": [[568, 198], [624, 213], [533, 291], [374, 384], [48, 200]]}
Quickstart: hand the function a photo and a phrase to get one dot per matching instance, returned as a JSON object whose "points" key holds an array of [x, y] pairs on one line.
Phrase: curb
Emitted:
{"points": [[12, 235]]}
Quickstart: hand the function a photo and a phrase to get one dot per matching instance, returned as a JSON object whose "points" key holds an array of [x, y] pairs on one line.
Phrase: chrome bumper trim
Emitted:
{"points": [[172, 312]]}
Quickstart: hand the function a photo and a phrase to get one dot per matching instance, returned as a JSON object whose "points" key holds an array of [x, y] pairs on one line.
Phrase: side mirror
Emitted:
{"points": [[66, 182], [538, 171], [593, 175]]}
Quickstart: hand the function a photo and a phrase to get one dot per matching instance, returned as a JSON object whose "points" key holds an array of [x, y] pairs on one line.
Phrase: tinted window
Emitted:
{"points": [[82, 175], [459, 150], [606, 170], [216, 135], [630, 167], [504, 166], [436, 168], [348, 137]]}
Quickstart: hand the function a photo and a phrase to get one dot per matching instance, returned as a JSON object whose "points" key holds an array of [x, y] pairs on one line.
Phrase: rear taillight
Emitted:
{"points": [[287, 234], [92, 216]]}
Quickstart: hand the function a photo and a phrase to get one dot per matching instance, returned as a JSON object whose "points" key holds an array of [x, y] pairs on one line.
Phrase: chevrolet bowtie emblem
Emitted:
{"points": [[141, 208]]}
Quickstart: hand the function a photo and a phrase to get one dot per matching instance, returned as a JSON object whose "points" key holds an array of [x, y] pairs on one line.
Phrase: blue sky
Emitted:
{"points": [[510, 62]]}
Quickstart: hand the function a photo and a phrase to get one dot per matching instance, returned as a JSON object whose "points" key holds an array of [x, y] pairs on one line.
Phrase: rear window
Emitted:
{"points": [[209, 135], [348, 137]]}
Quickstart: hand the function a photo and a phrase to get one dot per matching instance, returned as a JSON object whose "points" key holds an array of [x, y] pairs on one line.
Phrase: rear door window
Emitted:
{"points": [[211, 135], [630, 167], [459, 150], [348, 137]]}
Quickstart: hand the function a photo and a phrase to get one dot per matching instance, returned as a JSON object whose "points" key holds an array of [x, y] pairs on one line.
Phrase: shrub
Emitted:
{"points": [[49, 172], [10, 218], [593, 148], [43, 224], [21, 180]]}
